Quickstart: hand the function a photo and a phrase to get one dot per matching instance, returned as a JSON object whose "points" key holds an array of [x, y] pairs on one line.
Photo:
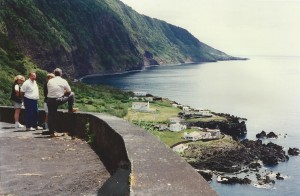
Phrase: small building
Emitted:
{"points": [[215, 133], [186, 108], [176, 127], [202, 112], [150, 99], [194, 136], [174, 105]]}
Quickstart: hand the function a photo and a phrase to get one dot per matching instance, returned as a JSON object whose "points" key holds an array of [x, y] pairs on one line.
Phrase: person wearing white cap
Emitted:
{"points": [[16, 96]]}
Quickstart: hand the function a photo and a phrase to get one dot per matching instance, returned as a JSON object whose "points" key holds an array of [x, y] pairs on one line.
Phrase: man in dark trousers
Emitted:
{"points": [[30, 92], [59, 92]]}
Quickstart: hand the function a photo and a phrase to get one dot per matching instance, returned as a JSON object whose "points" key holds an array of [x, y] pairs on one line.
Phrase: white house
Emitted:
{"points": [[174, 105], [176, 127], [150, 99], [215, 133], [202, 112], [186, 108], [194, 136]]}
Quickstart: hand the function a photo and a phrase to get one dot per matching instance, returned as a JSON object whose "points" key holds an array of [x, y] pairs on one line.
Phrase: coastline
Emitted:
{"points": [[149, 66], [283, 168]]}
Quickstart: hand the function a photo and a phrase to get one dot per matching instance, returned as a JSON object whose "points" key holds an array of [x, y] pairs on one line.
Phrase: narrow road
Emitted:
{"points": [[34, 164]]}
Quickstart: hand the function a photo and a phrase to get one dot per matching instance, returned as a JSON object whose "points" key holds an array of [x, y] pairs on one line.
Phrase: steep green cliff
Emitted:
{"points": [[93, 36]]}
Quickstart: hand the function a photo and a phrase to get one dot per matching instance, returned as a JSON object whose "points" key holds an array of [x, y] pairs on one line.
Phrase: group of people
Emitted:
{"points": [[57, 91]]}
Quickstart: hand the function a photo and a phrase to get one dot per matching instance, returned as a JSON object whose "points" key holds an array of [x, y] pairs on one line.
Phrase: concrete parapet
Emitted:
{"points": [[140, 164]]}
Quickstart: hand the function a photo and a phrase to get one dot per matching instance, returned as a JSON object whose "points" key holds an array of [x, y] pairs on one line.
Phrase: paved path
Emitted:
{"points": [[34, 164]]}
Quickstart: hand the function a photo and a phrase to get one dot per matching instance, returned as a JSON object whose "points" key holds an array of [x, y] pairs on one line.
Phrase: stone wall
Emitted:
{"points": [[136, 159]]}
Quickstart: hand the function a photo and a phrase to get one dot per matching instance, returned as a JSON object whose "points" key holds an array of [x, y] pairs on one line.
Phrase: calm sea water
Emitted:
{"points": [[265, 90]]}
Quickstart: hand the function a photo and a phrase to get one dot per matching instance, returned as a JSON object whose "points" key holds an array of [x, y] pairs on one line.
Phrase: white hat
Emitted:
{"points": [[19, 77]]}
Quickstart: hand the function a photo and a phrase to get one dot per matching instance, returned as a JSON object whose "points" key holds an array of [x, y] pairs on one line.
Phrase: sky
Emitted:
{"points": [[236, 27]]}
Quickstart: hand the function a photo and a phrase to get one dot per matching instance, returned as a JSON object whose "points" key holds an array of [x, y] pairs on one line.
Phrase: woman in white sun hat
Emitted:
{"points": [[16, 96]]}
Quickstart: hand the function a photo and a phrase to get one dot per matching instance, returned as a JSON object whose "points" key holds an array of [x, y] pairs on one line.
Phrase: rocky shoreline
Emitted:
{"points": [[243, 163], [229, 159], [234, 126]]}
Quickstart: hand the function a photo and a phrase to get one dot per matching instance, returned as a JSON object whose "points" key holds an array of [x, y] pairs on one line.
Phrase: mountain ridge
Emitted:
{"points": [[86, 37]]}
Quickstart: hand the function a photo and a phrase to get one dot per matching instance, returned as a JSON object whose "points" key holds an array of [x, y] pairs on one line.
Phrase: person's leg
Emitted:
{"points": [[52, 116], [35, 113], [46, 115], [32, 113], [71, 101], [17, 114], [27, 113]]}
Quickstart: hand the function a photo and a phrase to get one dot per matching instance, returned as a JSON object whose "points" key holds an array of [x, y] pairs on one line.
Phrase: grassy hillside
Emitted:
{"points": [[88, 98]]}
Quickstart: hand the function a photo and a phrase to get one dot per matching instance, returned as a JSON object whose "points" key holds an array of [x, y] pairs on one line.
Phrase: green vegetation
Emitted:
{"points": [[88, 98], [12, 63], [101, 99], [200, 147]]}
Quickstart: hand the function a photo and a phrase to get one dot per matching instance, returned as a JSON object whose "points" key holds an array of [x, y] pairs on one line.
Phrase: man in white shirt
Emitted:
{"points": [[59, 92], [30, 92]]}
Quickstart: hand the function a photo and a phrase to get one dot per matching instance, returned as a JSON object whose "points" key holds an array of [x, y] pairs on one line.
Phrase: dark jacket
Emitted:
{"points": [[13, 95]]}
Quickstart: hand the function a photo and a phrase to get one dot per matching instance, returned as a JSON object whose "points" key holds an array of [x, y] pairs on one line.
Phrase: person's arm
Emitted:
{"points": [[67, 89], [17, 90], [45, 90], [67, 93], [23, 89]]}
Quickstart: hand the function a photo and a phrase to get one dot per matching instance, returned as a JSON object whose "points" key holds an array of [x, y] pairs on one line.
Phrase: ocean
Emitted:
{"points": [[263, 89]]}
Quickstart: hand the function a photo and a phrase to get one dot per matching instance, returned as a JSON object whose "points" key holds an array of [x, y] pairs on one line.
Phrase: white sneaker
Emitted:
{"points": [[19, 125], [39, 128], [32, 129]]}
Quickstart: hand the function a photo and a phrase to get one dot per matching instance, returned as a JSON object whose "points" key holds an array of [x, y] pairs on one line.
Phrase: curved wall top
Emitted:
{"points": [[140, 160]]}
